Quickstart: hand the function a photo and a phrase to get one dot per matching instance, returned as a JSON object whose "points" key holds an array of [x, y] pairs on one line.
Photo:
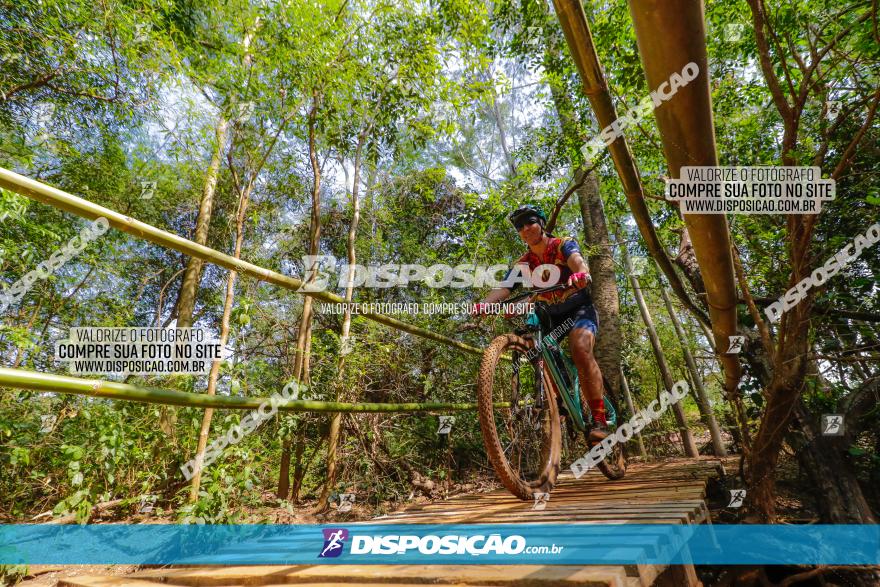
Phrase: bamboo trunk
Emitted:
{"points": [[21, 379], [687, 439], [702, 397], [624, 384], [333, 433], [213, 376], [301, 370], [186, 299]]}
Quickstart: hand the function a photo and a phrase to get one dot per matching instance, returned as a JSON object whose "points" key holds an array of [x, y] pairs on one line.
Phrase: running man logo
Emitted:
{"points": [[541, 500], [639, 266], [334, 541], [147, 503], [346, 500], [736, 344], [445, 424], [737, 496], [832, 424], [833, 108], [733, 33], [148, 189], [319, 269], [47, 423]]}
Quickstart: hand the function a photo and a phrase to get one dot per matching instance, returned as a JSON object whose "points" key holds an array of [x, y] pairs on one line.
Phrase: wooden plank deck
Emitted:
{"points": [[668, 492]]}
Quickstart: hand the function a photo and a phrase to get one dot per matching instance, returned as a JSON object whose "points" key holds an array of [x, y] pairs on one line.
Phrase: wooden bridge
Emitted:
{"points": [[668, 492]]}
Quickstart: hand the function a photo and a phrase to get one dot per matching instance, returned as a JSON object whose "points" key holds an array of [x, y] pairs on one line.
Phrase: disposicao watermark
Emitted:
{"points": [[820, 275], [74, 246], [322, 269], [665, 91], [249, 423], [626, 430]]}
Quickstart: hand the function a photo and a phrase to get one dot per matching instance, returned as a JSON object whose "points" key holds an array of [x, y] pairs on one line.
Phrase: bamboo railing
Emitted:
{"points": [[32, 380]]}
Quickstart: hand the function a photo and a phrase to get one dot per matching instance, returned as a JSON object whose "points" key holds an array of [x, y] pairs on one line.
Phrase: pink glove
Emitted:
{"points": [[580, 280]]}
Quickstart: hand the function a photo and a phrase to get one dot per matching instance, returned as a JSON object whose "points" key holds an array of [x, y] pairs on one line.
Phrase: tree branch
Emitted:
{"points": [[557, 208]]}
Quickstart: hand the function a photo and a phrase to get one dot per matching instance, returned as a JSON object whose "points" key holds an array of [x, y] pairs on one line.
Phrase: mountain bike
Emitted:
{"points": [[527, 393]]}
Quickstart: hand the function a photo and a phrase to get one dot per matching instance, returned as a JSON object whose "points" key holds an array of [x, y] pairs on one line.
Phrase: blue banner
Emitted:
{"points": [[355, 543]]}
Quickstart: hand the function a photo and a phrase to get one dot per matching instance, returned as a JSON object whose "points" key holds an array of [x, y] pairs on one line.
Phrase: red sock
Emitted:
{"points": [[597, 407]]}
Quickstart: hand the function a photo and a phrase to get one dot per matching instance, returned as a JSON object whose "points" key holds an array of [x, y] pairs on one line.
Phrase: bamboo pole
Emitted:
{"points": [[69, 203], [702, 396], [583, 51], [687, 439], [624, 384], [671, 34], [21, 379]]}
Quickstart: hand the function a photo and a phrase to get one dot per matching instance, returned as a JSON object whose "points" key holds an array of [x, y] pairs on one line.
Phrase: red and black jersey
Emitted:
{"points": [[557, 253]]}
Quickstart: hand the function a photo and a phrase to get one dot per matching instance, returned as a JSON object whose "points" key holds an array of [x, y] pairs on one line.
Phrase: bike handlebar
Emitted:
{"points": [[533, 292]]}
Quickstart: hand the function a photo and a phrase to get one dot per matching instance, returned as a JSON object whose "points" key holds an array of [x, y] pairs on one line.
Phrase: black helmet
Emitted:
{"points": [[526, 211]]}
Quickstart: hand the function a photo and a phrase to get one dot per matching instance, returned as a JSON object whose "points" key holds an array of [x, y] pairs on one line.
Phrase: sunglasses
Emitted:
{"points": [[520, 224]]}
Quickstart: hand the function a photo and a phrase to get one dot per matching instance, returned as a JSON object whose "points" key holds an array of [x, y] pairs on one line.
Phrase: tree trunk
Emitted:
{"points": [[632, 409], [702, 396], [332, 447], [824, 458], [301, 370], [687, 439], [301, 362], [333, 434], [299, 471], [213, 376], [284, 471], [601, 260], [782, 395], [502, 136], [604, 288], [186, 299], [687, 260]]}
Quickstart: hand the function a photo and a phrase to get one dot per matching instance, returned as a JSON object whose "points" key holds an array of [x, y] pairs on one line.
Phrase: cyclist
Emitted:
{"points": [[573, 302]]}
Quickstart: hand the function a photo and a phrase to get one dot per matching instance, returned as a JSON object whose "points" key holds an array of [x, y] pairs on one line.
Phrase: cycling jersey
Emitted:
{"points": [[562, 304], [557, 253]]}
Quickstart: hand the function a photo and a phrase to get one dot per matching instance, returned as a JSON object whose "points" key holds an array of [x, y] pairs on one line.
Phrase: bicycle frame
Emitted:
{"points": [[564, 376], [562, 372]]}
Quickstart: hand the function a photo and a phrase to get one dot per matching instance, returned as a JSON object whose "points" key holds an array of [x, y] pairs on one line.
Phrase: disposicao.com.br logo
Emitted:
{"points": [[451, 544]]}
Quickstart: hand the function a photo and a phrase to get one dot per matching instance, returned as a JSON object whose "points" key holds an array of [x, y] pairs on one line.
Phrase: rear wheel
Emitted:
{"points": [[523, 439]]}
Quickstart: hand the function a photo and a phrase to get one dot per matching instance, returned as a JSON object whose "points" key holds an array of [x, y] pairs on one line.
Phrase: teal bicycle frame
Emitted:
{"points": [[564, 373]]}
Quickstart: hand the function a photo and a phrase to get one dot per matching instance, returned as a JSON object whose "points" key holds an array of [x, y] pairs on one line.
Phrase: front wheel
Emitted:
{"points": [[523, 438]]}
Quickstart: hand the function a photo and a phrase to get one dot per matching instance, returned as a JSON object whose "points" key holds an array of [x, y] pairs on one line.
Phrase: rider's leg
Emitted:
{"points": [[581, 340]]}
